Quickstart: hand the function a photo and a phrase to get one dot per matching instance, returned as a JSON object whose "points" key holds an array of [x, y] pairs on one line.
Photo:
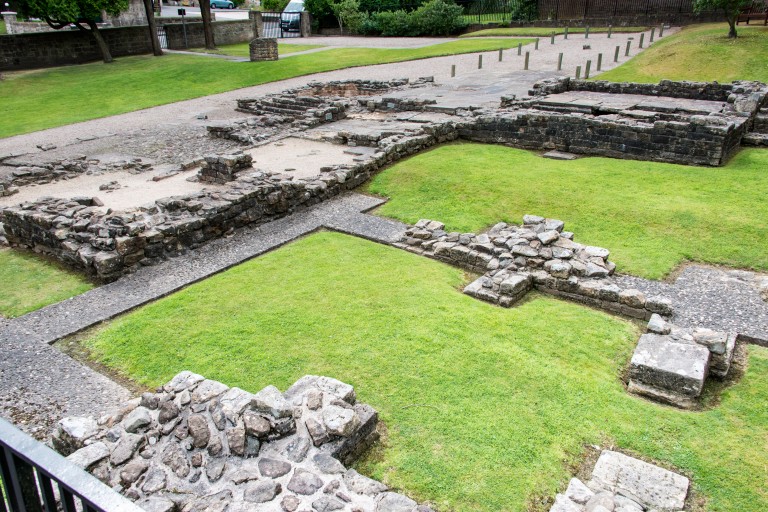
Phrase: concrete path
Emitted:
{"points": [[39, 384]]}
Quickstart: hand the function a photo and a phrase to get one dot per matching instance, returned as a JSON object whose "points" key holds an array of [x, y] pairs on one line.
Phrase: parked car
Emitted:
{"points": [[291, 18], [222, 4]]}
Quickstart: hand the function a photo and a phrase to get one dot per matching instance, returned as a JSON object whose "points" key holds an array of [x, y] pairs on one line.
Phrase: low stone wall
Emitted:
{"points": [[538, 254], [27, 51], [197, 444], [224, 32]]}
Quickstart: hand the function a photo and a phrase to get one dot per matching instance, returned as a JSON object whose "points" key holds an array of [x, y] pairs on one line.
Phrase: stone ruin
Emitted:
{"points": [[198, 445], [669, 365], [620, 483]]}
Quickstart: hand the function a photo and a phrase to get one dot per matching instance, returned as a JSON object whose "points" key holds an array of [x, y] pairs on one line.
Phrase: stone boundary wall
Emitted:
{"points": [[224, 32], [689, 143], [108, 245], [46, 49]]}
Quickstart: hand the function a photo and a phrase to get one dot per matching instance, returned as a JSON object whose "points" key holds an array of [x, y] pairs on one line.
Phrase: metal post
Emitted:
{"points": [[453, 70], [616, 55], [552, 38], [184, 28], [642, 37], [599, 61], [661, 31], [536, 44], [527, 59], [565, 34], [586, 70], [653, 32], [586, 32], [629, 44], [560, 62], [610, 30], [480, 61], [578, 72], [519, 48], [501, 54]]}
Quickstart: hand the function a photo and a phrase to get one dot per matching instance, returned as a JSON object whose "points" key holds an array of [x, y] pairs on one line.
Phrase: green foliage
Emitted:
{"points": [[70, 11], [524, 10], [348, 15], [545, 31], [433, 18], [372, 6], [486, 408], [701, 53], [274, 5], [652, 216], [28, 282], [319, 9], [59, 92]]}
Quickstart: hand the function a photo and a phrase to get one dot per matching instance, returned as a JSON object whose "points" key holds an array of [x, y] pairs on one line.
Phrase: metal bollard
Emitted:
{"points": [[599, 61], [629, 44], [578, 72], [560, 62], [661, 30], [536, 44], [642, 37], [610, 30], [527, 59], [501, 54], [586, 70], [586, 32], [565, 34], [519, 48], [552, 38], [653, 32], [616, 55], [453, 70], [480, 61]]}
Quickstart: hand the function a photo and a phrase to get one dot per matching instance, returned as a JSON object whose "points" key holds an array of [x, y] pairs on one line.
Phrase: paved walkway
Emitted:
{"points": [[39, 384]]}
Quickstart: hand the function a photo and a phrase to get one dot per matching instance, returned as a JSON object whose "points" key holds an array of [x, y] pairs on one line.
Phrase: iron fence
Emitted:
{"points": [[35, 478], [281, 24]]}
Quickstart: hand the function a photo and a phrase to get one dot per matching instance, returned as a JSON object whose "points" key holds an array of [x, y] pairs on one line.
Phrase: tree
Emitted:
{"points": [[205, 13], [150, 11], [731, 9], [347, 13], [81, 13]]}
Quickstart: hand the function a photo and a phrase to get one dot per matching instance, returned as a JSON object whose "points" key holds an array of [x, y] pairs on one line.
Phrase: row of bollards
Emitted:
{"points": [[587, 67]]}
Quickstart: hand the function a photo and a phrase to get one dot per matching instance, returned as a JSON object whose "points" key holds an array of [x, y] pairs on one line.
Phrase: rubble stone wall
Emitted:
{"points": [[224, 32]]}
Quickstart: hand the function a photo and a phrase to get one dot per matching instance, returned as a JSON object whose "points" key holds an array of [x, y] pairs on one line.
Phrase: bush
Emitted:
{"points": [[434, 18], [394, 23], [274, 5], [524, 10]]}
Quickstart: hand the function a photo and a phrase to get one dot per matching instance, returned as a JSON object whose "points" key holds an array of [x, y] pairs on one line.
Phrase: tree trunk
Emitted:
{"points": [[103, 48], [149, 9], [732, 30], [205, 12]]}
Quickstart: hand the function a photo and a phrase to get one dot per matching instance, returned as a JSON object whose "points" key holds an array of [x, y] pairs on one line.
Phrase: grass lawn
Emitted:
{"points": [[28, 283], [545, 32], [2, 28], [485, 407], [242, 49], [699, 52], [133, 83], [651, 216]]}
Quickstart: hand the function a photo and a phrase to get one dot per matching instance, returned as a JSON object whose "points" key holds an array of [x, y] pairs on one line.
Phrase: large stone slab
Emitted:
{"points": [[652, 486]]}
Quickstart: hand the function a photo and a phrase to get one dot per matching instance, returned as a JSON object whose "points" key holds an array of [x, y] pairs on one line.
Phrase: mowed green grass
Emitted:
{"points": [[651, 216], [70, 94], [28, 283], [699, 53], [545, 31], [243, 50], [485, 407]]}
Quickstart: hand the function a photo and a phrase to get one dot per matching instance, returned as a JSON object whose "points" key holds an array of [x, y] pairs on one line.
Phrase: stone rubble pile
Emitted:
{"points": [[198, 445], [539, 254], [621, 483], [671, 364], [51, 172]]}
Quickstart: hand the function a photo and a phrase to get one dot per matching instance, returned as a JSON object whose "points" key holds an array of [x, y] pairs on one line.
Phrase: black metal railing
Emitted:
{"points": [[36, 478]]}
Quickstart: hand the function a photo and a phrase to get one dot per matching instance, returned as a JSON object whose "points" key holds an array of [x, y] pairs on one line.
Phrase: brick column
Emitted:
{"points": [[305, 25], [10, 20], [258, 23]]}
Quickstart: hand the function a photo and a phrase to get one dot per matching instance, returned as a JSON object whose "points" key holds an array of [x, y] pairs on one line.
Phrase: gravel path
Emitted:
{"points": [[39, 384]]}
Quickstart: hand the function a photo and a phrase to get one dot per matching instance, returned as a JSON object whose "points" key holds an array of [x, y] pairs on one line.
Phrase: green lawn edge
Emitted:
{"points": [[546, 31]]}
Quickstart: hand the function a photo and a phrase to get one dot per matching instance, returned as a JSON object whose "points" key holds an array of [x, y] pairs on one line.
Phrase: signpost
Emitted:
{"points": [[182, 13]]}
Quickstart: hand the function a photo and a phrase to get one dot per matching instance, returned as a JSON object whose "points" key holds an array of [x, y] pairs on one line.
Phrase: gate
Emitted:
{"points": [[162, 37], [281, 24]]}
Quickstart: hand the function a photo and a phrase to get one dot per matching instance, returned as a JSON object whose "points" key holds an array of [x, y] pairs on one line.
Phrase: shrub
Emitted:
{"points": [[438, 18], [274, 5], [524, 10], [394, 23]]}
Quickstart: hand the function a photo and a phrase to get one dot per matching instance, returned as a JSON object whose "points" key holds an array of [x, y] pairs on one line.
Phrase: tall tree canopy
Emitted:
{"points": [[82, 13], [731, 9]]}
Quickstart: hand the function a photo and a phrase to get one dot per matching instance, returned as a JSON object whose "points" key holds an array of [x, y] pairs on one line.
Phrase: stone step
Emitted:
{"points": [[755, 139]]}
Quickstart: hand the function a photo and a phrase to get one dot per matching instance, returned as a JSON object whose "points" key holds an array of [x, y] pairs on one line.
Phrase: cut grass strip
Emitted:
{"points": [[485, 406], [28, 283], [652, 216], [546, 32], [243, 50], [699, 53], [78, 93]]}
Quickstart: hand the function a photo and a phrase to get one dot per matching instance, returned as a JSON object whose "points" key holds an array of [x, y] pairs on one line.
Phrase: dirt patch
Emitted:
{"points": [[302, 158]]}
